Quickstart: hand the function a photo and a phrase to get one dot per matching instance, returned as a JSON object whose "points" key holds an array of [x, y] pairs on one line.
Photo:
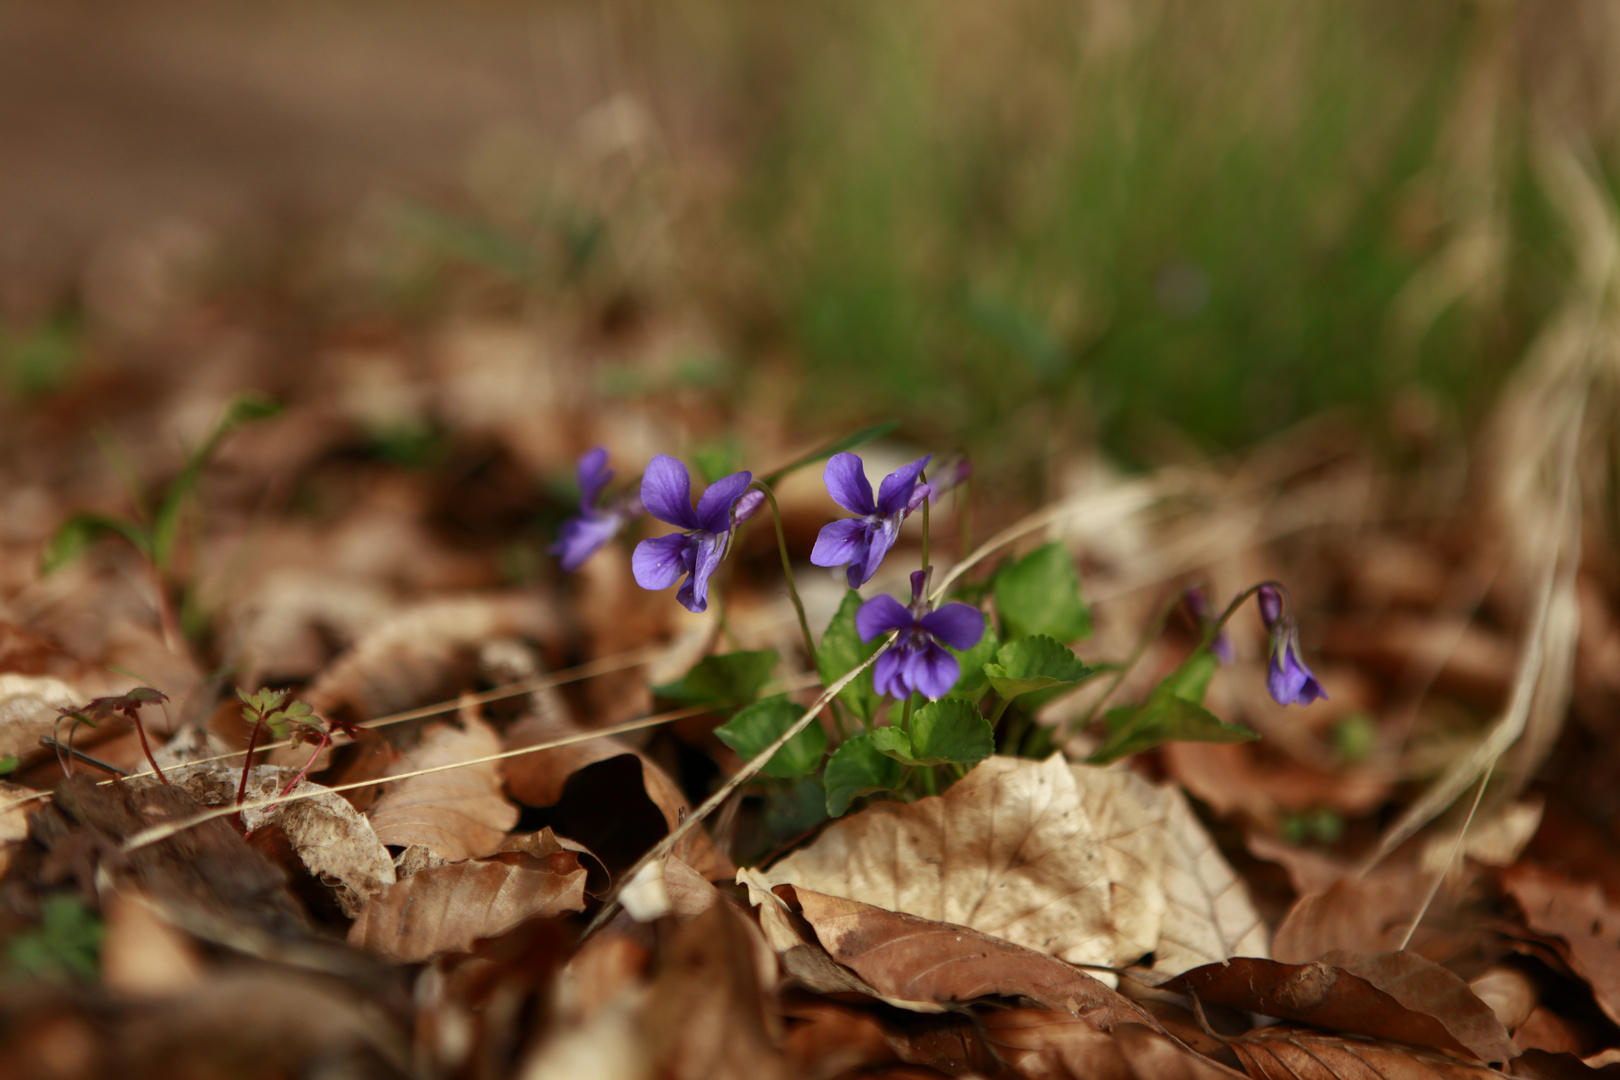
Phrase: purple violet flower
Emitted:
{"points": [[581, 537], [917, 663], [666, 492], [1198, 605], [863, 541], [1287, 677]]}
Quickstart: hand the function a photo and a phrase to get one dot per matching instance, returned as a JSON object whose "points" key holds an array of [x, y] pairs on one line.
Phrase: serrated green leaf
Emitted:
{"points": [[856, 769], [1034, 663], [1163, 718], [762, 723], [894, 743], [1040, 594], [841, 651], [727, 679], [848, 442], [973, 681], [78, 532], [950, 732]]}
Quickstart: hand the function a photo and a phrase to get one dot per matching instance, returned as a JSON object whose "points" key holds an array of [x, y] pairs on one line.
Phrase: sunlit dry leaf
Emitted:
{"points": [[1239, 778], [408, 659], [329, 836], [911, 959], [456, 814], [17, 804], [1285, 1053], [28, 705], [667, 887], [1043, 1045], [1090, 865], [143, 956], [825, 1040], [1397, 996], [1578, 913], [1369, 914], [446, 908]]}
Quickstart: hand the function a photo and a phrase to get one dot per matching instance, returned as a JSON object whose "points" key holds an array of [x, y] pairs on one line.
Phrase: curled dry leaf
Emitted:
{"points": [[1396, 996], [1578, 913], [328, 835], [910, 959], [539, 779], [1090, 865], [1282, 1052], [457, 814], [446, 908], [1369, 914], [825, 1040]]}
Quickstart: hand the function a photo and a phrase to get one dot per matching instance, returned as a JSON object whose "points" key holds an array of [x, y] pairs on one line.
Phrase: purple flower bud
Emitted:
{"points": [[917, 663], [582, 536], [1289, 681], [666, 492], [952, 475], [861, 542]]}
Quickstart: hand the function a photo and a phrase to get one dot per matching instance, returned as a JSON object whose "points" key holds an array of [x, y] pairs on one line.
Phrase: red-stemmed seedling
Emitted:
{"points": [[104, 708], [294, 720]]}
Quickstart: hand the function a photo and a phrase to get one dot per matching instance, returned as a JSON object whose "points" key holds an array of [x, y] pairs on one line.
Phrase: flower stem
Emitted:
{"points": [[798, 605], [146, 749], [1147, 639], [925, 528], [964, 516], [995, 719], [322, 745], [905, 717]]}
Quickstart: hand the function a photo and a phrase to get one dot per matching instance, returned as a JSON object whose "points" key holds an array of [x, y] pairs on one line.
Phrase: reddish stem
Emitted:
{"points": [[322, 745], [247, 763], [140, 729]]}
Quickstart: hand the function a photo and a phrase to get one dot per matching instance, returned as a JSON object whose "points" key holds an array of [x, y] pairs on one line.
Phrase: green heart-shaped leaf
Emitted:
{"points": [[1040, 594], [856, 769], [1034, 663], [762, 723]]}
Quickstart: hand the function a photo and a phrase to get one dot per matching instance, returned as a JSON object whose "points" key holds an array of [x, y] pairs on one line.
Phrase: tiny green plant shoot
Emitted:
{"points": [[962, 679], [270, 710], [156, 530]]}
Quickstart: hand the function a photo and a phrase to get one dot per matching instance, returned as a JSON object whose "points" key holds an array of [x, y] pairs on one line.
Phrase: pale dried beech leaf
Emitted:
{"points": [[1090, 865], [28, 705], [910, 959], [1035, 852], [19, 804], [1208, 916], [457, 814], [329, 836], [1578, 913], [446, 908], [667, 887]]}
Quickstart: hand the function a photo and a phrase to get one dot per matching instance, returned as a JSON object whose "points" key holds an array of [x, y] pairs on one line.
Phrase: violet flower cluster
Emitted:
{"points": [[917, 663], [1287, 678]]}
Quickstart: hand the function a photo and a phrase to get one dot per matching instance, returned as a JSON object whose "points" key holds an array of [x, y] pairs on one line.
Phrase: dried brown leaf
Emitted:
{"points": [[1285, 1053], [28, 705], [1041, 1044], [1396, 996], [911, 959], [1578, 913], [446, 908], [1090, 865], [457, 814], [825, 1040], [1368, 914]]}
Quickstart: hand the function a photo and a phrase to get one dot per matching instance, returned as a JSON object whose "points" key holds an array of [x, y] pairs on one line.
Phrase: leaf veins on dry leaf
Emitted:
{"points": [[446, 908], [456, 814], [1577, 913], [1094, 866]]}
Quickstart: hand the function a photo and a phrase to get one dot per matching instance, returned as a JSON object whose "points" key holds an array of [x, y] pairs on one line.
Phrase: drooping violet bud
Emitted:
{"points": [[747, 505], [1288, 680], [954, 473]]}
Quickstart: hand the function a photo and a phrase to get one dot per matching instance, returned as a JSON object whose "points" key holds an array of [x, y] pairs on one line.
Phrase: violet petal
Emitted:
{"points": [[581, 537], [845, 476], [666, 492], [934, 671], [709, 549], [888, 676], [879, 615], [714, 508], [656, 563], [842, 541], [593, 476], [895, 491], [957, 625]]}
